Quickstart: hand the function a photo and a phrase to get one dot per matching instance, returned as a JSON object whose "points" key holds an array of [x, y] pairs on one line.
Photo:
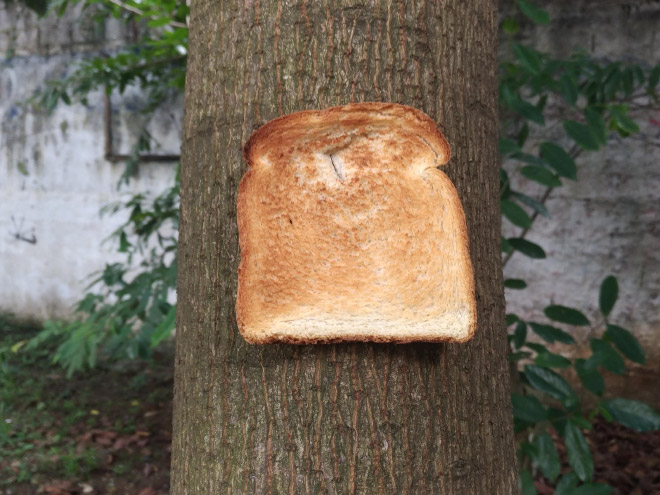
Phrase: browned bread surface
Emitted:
{"points": [[349, 232]]}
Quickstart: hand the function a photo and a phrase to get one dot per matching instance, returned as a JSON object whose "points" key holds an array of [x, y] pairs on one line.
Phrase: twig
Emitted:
{"points": [[526, 230], [574, 152], [137, 11]]}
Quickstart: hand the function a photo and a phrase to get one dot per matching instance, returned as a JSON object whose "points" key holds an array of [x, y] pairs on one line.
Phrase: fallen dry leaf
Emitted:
{"points": [[148, 469], [58, 487]]}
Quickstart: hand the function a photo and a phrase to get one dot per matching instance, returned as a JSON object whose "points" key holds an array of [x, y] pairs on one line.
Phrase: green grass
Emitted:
{"points": [[95, 427]]}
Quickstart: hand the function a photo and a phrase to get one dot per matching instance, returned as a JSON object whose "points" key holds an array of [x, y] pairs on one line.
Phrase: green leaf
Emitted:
{"points": [[619, 114], [596, 125], [566, 484], [547, 456], [626, 343], [49, 100], [612, 82], [529, 58], [155, 23], [633, 414], [550, 383], [532, 203], [165, 327], [528, 158], [510, 26], [592, 489], [61, 6], [582, 135], [640, 78], [592, 363], [515, 214], [582, 422], [654, 77], [526, 247], [504, 183], [609, 291], [506, 247], [523, 134], [40, 7], [551, 334], [605, 413], [22, 168], [529, 112], [590, 378], [527, 449], [607, 357], [518, 355], [536, 14], [541, 175], [628, 82], [539, 348], [557, 416], [559, 160], [511, 319], [17, 346], [528, 409], [520, 334], [552, 360], [123, 242], [568, 89], [578, 453], [515, 283], [508, 146], [564, 314], [527, 483]]}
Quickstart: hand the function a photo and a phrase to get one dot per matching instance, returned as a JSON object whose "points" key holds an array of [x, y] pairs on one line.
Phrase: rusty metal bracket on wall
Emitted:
{"points": [[113, 157]]}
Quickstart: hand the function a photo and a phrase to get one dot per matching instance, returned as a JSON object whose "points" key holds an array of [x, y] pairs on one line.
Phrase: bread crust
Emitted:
{"points": [[296, 124], [342, 218]]}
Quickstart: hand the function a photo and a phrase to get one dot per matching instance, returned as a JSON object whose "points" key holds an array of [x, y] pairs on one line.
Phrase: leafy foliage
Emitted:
{"points": [[567, 415], [127, 314], [40, 7], [129, 308], [156, 63], [589, 102], [633, 414]]}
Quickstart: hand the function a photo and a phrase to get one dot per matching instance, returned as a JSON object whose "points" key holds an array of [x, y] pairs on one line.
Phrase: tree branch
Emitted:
{"points": [[574, 152]]}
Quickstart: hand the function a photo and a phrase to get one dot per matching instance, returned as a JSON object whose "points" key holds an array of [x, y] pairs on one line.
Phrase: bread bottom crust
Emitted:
{"points": [[319, 331]]}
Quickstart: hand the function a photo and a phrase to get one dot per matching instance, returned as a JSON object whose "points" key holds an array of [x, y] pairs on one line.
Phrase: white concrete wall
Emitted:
{"points": [[53, 177]]}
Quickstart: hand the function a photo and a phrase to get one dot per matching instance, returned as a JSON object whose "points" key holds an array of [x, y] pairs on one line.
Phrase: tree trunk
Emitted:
{"points": [[345, 418]]}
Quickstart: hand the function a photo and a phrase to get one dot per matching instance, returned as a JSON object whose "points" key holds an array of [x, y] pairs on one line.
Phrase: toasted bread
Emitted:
{"points": [[348, 231]]}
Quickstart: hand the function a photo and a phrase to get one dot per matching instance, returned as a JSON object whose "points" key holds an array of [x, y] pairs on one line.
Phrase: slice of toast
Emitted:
{"points": [[349, 232]]}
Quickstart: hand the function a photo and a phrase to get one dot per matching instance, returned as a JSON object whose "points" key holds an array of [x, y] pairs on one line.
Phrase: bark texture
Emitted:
{"points": [[346, 418]]}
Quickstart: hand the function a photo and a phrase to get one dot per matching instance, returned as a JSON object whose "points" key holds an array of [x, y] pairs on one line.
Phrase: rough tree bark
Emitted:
{"points": [[350, 418]]}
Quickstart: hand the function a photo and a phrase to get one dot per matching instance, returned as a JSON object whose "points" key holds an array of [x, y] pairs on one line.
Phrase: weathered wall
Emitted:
{"points": [[608, 222], [53, 177]]}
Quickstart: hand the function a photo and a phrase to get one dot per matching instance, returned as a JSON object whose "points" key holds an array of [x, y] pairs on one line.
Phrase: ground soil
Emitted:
{"points": [[105, 431]]}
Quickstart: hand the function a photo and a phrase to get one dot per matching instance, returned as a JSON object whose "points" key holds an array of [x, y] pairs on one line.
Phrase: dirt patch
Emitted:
{"points": [[106, 431]]}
